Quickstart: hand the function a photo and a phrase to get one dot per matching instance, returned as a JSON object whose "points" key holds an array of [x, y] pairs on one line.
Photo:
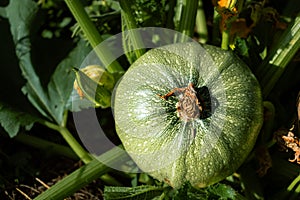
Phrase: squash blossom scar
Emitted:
{"points": [[188, 105]]}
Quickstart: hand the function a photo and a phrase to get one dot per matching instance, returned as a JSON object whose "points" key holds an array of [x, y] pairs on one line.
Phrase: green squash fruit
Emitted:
{"points": [[187, 113]]}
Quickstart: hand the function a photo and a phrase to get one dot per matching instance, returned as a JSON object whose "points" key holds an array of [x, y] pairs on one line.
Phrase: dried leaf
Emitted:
{"points": [[289, 141], [293, 143]]}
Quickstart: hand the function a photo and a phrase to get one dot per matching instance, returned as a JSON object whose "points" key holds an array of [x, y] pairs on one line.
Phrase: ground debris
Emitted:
{"points": [[55, 170], [286, 139]]}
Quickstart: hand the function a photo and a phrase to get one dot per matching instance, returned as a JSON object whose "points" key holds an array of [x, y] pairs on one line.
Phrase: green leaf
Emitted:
{"points": [[20, 16], [216, 191], [52, 102], [12, 119], [189, 193], [61, 84], [224, 191], [134, 193]]}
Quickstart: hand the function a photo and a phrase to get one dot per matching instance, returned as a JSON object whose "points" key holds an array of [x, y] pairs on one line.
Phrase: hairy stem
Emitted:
{"points": [[274, 65], [201, 24], [186, 13], [85, 174], [76, 147], [225, 39], [92, 35], [130, 23]]}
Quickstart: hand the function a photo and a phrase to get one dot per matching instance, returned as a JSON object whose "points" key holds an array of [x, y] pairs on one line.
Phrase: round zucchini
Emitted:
{"points": [[188, 113]]}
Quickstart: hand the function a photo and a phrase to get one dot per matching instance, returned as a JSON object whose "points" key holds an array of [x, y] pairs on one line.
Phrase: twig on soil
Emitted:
{"points": [[42, 183], [25, 195], [31, 188]]}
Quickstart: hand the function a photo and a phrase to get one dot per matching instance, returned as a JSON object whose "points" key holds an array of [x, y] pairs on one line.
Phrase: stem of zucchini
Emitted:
{"points": [[186, 13], [274, 65], [76, 147], [294, 188], [92, 35], [130, 23], [85, 175], [201, 24], [216, 28], [225, 39]]}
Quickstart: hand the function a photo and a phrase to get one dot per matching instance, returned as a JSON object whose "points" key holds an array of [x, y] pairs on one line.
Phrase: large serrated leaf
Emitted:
{"points": [[223, 191], [11, 120], [132, 193], [61, 84], [20, 16], [52, 102], [218, 191]]}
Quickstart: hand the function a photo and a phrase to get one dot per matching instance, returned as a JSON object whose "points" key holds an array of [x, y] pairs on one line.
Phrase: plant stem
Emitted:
{"points": [[225, 39], [130, 23], [76, 147], [92, 35], [274, 65], [85, 175], [294, 188], [186, 14], [216, 29], [295, 182], [201, 24]]}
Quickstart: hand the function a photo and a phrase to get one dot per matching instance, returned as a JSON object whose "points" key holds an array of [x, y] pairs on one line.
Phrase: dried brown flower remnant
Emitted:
{"points": [[241, 27], [228, 9], [292, 142], [226, 4], [188, 106]]}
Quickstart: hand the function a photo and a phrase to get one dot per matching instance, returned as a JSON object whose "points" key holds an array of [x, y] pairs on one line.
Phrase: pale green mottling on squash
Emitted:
{"points": [[164, 145]]}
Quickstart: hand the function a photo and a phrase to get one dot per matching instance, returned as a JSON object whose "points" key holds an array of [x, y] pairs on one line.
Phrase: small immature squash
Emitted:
{"points": [[187, 113]]}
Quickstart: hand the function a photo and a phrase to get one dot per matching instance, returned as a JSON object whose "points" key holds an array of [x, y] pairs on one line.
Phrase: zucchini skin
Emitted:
{"points": [[201, 151]]}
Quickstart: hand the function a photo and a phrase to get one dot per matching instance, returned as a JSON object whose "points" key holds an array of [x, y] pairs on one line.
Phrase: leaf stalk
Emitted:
{"points": [[93, 36], [75, 146]]}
